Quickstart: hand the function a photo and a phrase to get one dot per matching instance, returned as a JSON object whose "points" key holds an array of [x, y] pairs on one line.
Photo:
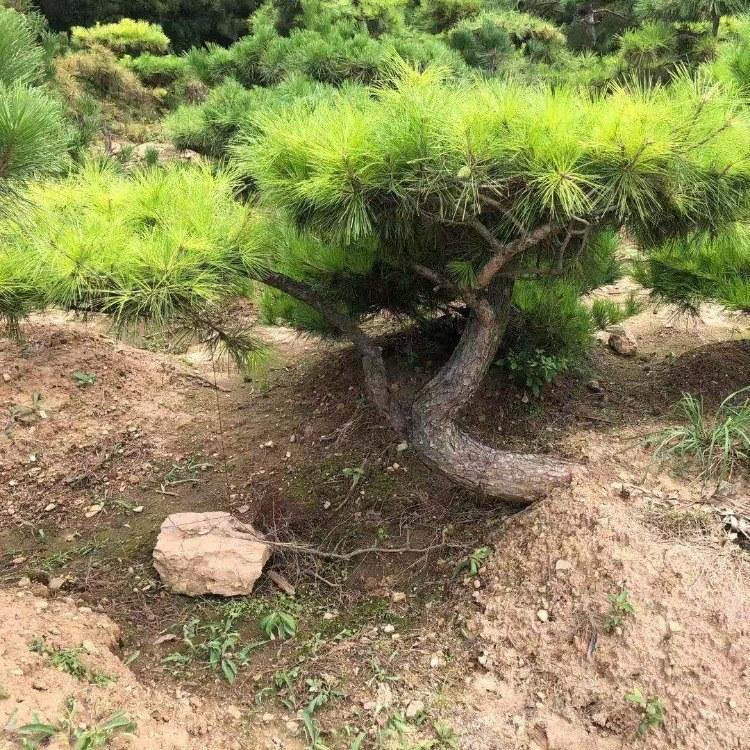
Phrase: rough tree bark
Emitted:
{"points": [[441, 443], [431, 426]]}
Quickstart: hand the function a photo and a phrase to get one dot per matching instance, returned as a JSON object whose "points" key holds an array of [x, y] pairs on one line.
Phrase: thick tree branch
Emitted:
{"points": [[372, 357], [443, 282], [503, 253], [610, 12], [440, 440], [307, 294], [497, 206]]}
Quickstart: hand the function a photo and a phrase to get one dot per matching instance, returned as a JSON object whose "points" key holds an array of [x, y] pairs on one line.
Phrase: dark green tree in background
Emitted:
{"points": [[187, 22]]}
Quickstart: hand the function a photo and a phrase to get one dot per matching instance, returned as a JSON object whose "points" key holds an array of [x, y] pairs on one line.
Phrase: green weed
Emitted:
{"points": [[651, 709], [216, 643], [473, 563], [279, 625], [38, 733], [320, 692], [620, 608], [68, 660], [83, 378], [719, 443], [534, 370]]}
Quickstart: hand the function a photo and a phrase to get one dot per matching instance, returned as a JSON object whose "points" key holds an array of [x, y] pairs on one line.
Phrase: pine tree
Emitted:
{"points": [[33, 139], [691, 11], [425, 193], [457, 195]]}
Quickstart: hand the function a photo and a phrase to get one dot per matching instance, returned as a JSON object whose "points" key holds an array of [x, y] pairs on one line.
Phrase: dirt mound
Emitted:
{"points": [[560, 663], [713, 371], [55, 654], [73, 398]]}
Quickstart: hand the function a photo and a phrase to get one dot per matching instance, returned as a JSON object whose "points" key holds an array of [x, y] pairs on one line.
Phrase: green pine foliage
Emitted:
{"points": [[554, 319], [436, 16], [21, 58], [126, 36], [732, 64], [158, 70], [409, 164], [715, 268], [691, 11], [166, 246], [33, 135], [489, 38], [230, 110], [372, 166]]}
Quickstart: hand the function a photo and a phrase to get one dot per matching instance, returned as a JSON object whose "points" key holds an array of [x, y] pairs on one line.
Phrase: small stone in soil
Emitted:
{"points": [[414, 709]]}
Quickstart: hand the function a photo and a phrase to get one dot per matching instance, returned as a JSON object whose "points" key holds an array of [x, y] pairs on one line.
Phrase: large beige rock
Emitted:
{"points": [[621, 341], [209, 553]]}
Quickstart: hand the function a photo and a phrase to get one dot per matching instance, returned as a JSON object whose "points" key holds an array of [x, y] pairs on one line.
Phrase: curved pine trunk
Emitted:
{"points": [[432, 428], [442, 444]]}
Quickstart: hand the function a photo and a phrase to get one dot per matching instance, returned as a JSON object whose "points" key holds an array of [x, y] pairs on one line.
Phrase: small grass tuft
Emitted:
{"points": [[720, 443], [68, 660], [607, 312], [445, 736], [680, 523]]}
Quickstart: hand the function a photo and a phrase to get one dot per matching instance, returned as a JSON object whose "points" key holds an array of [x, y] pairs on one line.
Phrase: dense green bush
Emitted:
{"points": [[709, 11], [649, 47], [160, 243], [211, 64], [486, 40], [33, 135], [187, 23], [210, 127], [158, 70], [328, 42], [481, 41], [658, 49], [21, 58], [436, 16], [126, 37]]}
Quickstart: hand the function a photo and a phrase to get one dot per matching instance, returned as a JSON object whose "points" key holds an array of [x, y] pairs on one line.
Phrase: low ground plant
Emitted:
{"points": [[719, 443], [73, 734]]}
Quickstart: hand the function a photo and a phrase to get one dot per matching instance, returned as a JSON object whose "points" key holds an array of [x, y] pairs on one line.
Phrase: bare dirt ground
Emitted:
{"points": [[406, 648]]}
